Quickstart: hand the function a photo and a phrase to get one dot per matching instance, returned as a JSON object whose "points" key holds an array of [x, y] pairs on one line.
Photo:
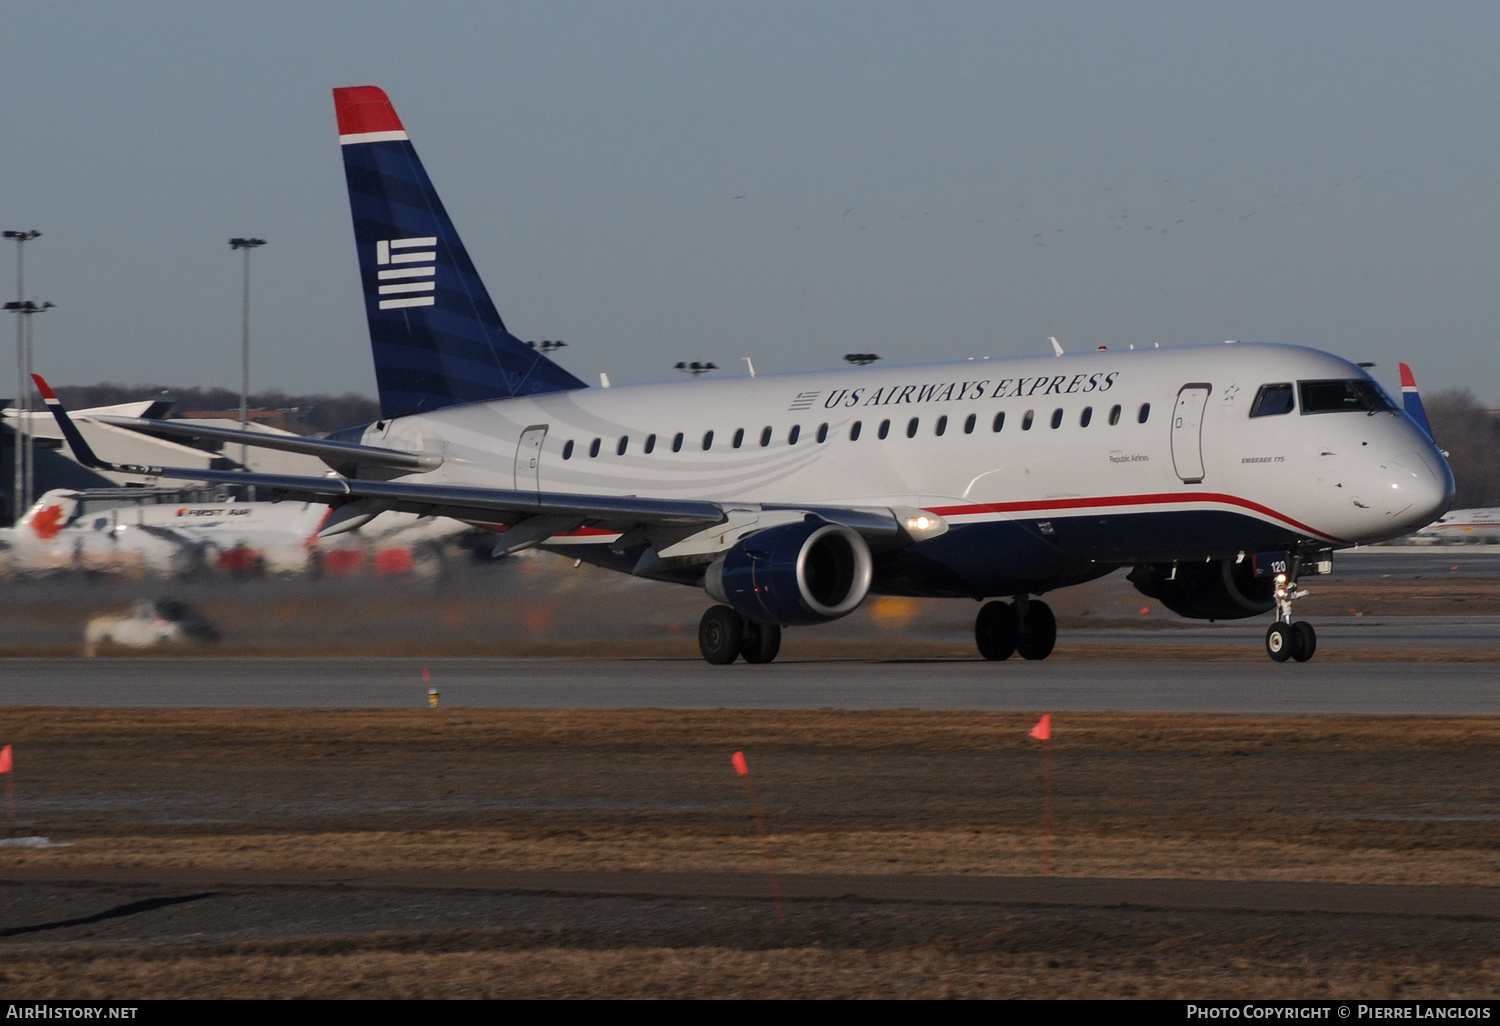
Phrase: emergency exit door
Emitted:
{"points": [[1187, 431], [529, 458]]}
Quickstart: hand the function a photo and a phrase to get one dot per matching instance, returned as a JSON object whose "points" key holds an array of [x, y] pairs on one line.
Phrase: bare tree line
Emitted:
{"points": [[1471, 436]]}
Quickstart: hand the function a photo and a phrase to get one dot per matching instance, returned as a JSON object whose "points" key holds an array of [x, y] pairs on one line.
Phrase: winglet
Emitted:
{"points": [[1057, 349], [81, 449], [1412, 400]]}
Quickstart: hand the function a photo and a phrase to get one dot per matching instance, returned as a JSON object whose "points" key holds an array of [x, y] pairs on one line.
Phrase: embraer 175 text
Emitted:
{"points": [[1219, 474]]}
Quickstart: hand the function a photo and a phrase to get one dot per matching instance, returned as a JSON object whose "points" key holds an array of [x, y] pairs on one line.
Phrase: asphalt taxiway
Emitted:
{"points": [[1254, 685]]}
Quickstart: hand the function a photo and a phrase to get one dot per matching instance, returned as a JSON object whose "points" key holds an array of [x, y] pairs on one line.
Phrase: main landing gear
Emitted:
{"points": [[724, 636], [1285, 639], [1028, 627]]}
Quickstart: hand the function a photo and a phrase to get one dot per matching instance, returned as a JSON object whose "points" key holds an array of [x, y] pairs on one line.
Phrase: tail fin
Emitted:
{"points": [[1412, 400], [437, 339]]}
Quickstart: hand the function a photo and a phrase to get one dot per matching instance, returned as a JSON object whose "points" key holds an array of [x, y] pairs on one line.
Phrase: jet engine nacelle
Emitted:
{"points": [[801, 573], [1221, 590]]}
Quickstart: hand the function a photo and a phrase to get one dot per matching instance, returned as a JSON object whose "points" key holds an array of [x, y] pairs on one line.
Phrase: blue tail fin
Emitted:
{"points": [[1412, 400], [437, 339]]}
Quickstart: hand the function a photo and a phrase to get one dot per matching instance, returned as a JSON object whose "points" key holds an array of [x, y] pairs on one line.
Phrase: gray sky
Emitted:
{"points": [[925, 181]]}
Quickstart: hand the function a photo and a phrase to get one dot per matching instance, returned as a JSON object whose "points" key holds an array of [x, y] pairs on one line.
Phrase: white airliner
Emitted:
{"points": [[1219, 474], [137, 529], [157, 531], [1464, 526]]}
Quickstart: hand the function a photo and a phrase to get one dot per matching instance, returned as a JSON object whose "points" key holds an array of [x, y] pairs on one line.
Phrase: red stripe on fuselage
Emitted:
{"points": [[1159, 499]]}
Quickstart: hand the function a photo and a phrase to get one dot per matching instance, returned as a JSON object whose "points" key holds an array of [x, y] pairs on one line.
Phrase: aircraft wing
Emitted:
{"points": [[529, 516]]}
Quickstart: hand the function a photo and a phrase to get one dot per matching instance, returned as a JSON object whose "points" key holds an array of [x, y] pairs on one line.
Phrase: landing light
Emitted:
{"points": [[922, 523]]}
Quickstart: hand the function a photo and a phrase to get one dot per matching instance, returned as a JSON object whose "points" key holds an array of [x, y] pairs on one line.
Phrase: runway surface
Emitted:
{"points": [[1183, 685], [1417, 562]]}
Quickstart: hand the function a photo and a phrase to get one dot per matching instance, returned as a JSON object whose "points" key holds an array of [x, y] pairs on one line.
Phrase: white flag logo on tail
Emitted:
{"points": [[410, 261]]}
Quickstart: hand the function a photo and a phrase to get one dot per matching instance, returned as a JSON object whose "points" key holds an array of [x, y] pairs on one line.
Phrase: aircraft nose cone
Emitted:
{"points": [[1419, 489]]}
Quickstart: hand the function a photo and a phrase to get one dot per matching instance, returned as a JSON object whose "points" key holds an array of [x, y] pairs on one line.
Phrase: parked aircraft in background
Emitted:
{"points": [[1464, 527], [1219, 474], [155, 531]]}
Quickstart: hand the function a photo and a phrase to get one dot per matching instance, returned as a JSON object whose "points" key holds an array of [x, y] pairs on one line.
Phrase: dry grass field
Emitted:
{"points": [[154, 803]]}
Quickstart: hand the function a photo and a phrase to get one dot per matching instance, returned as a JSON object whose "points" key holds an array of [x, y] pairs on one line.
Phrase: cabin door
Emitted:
{"points": [[1187, 431], [529, 459]]}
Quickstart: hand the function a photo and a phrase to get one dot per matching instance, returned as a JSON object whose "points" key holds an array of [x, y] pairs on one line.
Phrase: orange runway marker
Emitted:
{"points": [[1043, 733], [743, 769]]}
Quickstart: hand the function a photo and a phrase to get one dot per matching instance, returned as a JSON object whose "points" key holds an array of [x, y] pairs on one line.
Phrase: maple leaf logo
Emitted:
{"points": [[48, 522]]}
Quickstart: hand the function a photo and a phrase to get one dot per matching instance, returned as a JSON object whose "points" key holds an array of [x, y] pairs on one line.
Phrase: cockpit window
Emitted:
{"points": [[1340, 396], [1272, 400]]}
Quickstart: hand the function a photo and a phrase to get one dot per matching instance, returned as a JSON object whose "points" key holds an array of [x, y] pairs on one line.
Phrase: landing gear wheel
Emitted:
{"points": [[721, 632], [1038, 631], [1304, 641], [1279, 642], [761, 642], [996, 629]]}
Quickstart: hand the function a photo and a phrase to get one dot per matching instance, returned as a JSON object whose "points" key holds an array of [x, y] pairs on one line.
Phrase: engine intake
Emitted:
{"points": [[1221, 590], [802, 573]]}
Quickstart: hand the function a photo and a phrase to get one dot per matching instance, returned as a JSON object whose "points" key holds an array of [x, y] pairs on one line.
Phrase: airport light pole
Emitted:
{"points": [[247, 245], [26, 450], [23, 392]]}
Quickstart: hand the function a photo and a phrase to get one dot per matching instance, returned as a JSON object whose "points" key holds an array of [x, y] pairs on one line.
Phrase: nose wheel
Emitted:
{"points": [[1000, 630], [1286, 639]]}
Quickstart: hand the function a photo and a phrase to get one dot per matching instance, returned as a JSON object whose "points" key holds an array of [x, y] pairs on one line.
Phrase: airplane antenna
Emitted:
{"points": [[861, 359], [1057, 349], [749, 363], [603, 380]]}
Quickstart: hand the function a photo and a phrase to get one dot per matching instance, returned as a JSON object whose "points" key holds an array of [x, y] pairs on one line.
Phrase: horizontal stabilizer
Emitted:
{"points": [[342, 456]]}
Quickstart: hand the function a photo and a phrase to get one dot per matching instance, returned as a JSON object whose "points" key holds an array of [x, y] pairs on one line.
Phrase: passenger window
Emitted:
{"points": [[1026, 420], [1114, 416], [650, 444], [739, 437], [708, 440], [1145, 412], [1086, 416], [885, 428], [999, 421], [942, 425], [969, 423], [677, 442], [911, 428], [794, 434], [1272, 400], [594, 448], [765, 437], [1056, 419], [624, 442], [822, 433], [854, 431], [568, 449]]}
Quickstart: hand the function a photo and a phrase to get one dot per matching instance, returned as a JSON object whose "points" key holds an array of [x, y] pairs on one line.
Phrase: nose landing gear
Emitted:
{"points": [[1285, 639], [1028, 627]]}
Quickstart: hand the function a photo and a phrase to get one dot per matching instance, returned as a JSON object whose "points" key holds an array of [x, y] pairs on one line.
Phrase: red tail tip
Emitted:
{"points": [[364, 109], [1408, 380], [43, 387]]}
